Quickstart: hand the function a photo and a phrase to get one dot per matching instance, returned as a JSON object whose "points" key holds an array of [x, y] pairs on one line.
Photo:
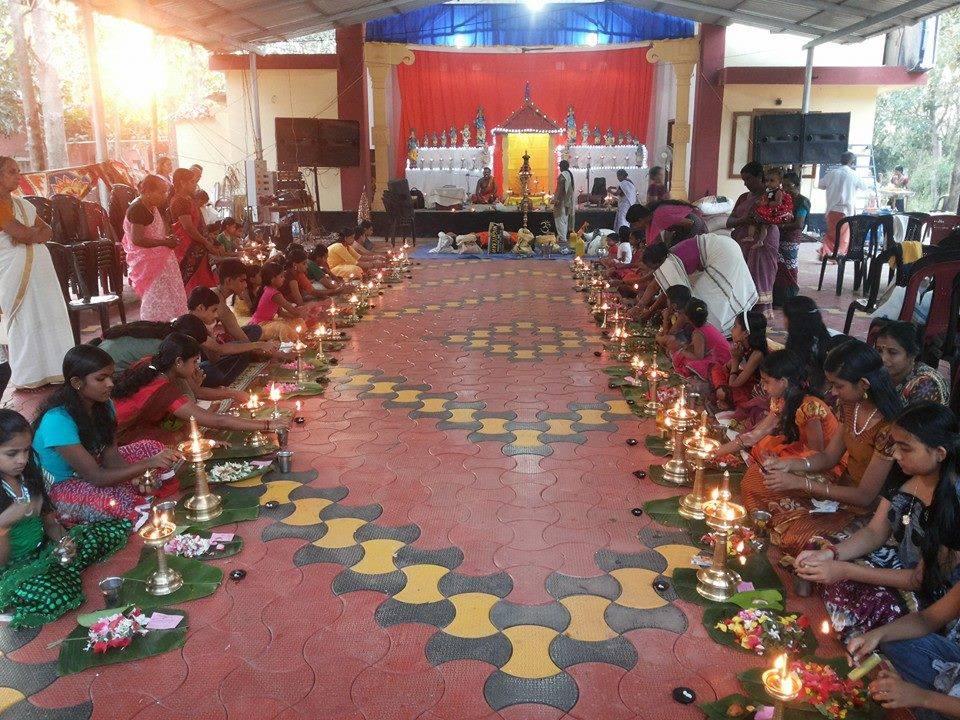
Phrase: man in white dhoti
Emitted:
{"points": [[35, 322], [626, 196], [564, 205]]}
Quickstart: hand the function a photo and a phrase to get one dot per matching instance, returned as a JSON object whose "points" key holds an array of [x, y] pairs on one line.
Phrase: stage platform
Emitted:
{"points": [[427, 223]]}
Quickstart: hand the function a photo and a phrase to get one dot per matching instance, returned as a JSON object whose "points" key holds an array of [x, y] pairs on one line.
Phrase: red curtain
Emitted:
{"points": [[607, 88]]}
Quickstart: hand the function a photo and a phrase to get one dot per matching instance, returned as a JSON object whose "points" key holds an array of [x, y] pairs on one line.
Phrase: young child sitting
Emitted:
{"points": [[735, 384], [675, 328], [229, 236], [707, 346], [774, 207]]}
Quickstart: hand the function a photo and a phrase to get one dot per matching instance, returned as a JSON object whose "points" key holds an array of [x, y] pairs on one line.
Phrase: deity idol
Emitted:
{"points": [[620, 140], [571, 127], [436, 141], [597, 138], [413, 150], [585, 134], [481, 126], [608, 138], [426, 140], [465, 135], [453, 136]]}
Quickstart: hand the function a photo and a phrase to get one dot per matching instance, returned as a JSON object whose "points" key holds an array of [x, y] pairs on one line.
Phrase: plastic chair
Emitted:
{"points": [[943, 271], [916, 222], [69, 221], [939, 226], [865, 243], [79, 275], [871, 285], [98, 221], [43, 207], [120, 198]]}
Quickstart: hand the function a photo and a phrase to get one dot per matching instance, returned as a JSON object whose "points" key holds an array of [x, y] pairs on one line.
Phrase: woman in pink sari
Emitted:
{"points": [[154, 273], [681, 218], [763, 251]]}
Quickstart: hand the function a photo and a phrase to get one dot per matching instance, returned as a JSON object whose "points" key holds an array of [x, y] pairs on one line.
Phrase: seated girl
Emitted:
{"points": [[925, 654], [273, 311], [34, 585], [899, 346], [154, 389], [129, 342], [790, 486], [707, 346], [735, 384], [88, 476], [798, 423], [229, 237], [243, 300], [299, 289], [907, 548], [324, 282], [675, 329]]}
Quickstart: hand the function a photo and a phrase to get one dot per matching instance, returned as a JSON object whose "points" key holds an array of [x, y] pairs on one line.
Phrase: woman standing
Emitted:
{"points": [[760, 252], [154, 273], [787, 284], [35, 317], [712, 266], [193, 249]]}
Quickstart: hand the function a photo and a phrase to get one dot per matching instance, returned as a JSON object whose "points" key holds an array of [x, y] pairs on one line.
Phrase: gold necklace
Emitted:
{"points": [[856, 420]]}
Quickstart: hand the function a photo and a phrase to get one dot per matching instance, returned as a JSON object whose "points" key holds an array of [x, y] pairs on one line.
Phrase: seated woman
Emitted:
{"points": [[344, 260], [869, 402], [298, 289], [129, 343], [798, 424], [807, 337], [319, 274], [622, 251], [273, 311], [677, 217], [712, 266], [33, 583], [153, 390], [675, 328], [707, 346], [75, 440], [735, 384], [907, 548], [899, 347]]}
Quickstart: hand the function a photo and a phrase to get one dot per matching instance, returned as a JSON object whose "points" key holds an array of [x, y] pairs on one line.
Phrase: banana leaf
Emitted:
{"points": [[238, 506], [74, 658], [716, 613], [199, 580]]}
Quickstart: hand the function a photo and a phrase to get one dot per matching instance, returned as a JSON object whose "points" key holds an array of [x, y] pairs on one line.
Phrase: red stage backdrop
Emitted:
{"points": [[607, 88]]}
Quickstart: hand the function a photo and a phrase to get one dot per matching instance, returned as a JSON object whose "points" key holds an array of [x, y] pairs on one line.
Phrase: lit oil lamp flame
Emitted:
{"points": [[194, 435], [254, 402], [274, 393], [825, 627]]}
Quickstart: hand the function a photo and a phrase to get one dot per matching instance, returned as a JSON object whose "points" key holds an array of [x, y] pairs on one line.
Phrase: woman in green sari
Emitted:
{"points": [[40, 563]]}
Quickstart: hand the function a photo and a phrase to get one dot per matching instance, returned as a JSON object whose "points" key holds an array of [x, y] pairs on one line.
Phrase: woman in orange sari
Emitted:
{"points": [[194, 249], [816, 503]]}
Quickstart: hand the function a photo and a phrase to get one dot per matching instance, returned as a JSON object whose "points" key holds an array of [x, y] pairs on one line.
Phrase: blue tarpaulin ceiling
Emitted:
{"points": [[468, 25]]}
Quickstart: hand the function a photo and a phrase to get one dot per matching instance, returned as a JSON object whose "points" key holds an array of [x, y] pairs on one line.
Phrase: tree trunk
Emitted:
{"points": [[954, 200], [51, 94], [28, 92]]}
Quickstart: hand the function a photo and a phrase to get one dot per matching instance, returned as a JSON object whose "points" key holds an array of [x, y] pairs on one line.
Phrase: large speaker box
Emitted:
{"points": [[825, 137], [777, 138], [339, 143], [298, 143]]}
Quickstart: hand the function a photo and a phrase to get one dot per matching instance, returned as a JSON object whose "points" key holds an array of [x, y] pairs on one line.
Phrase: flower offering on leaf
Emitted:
{"points": [[284, 388], [668, 395], [187, 545], [760, 630], [832, 695], [231, 471], [116, 631], [740, 542]]}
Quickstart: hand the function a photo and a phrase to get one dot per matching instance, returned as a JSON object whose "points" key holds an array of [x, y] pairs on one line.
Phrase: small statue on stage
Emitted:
{"points": [[571, 127], [608, 138], [436, 141], [413, 149], [597, 137], [486, 192], [481, 126], [465, 135], [453, 136], [585, 134], [630, 139], [426, 140], [444, 142], [620, 139]]}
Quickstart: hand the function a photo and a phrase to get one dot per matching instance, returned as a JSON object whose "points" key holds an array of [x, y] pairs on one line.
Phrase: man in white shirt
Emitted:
{"points": [[626, 196], [841, 185]]}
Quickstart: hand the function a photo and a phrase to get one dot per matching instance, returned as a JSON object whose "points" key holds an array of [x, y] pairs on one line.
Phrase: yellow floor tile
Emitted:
{"points": [[306, 511], [340, 533], [382, 388], [493, 426], [586, 618], [591, 417], [279, 490], [378, 557], [559, 426], [9, 697], [473, 615], [637, 588], [462, 415], [524, 355], [408, 397], [433, 405], [531, 652], [421, 584], [527, 438], [677, 556], [619, 407]]}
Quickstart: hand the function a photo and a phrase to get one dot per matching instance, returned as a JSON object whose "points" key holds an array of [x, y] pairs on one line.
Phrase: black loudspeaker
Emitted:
{"points": [[777, 138], [825, 137], [298, 143], [339, 143]]}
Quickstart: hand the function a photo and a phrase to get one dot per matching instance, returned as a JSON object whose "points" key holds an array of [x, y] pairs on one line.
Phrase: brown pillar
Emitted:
{"points": [[707, 112], [352, 105]]}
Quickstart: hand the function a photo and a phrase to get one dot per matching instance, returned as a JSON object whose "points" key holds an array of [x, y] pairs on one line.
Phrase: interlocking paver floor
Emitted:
{"points": [[457, 541]]}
